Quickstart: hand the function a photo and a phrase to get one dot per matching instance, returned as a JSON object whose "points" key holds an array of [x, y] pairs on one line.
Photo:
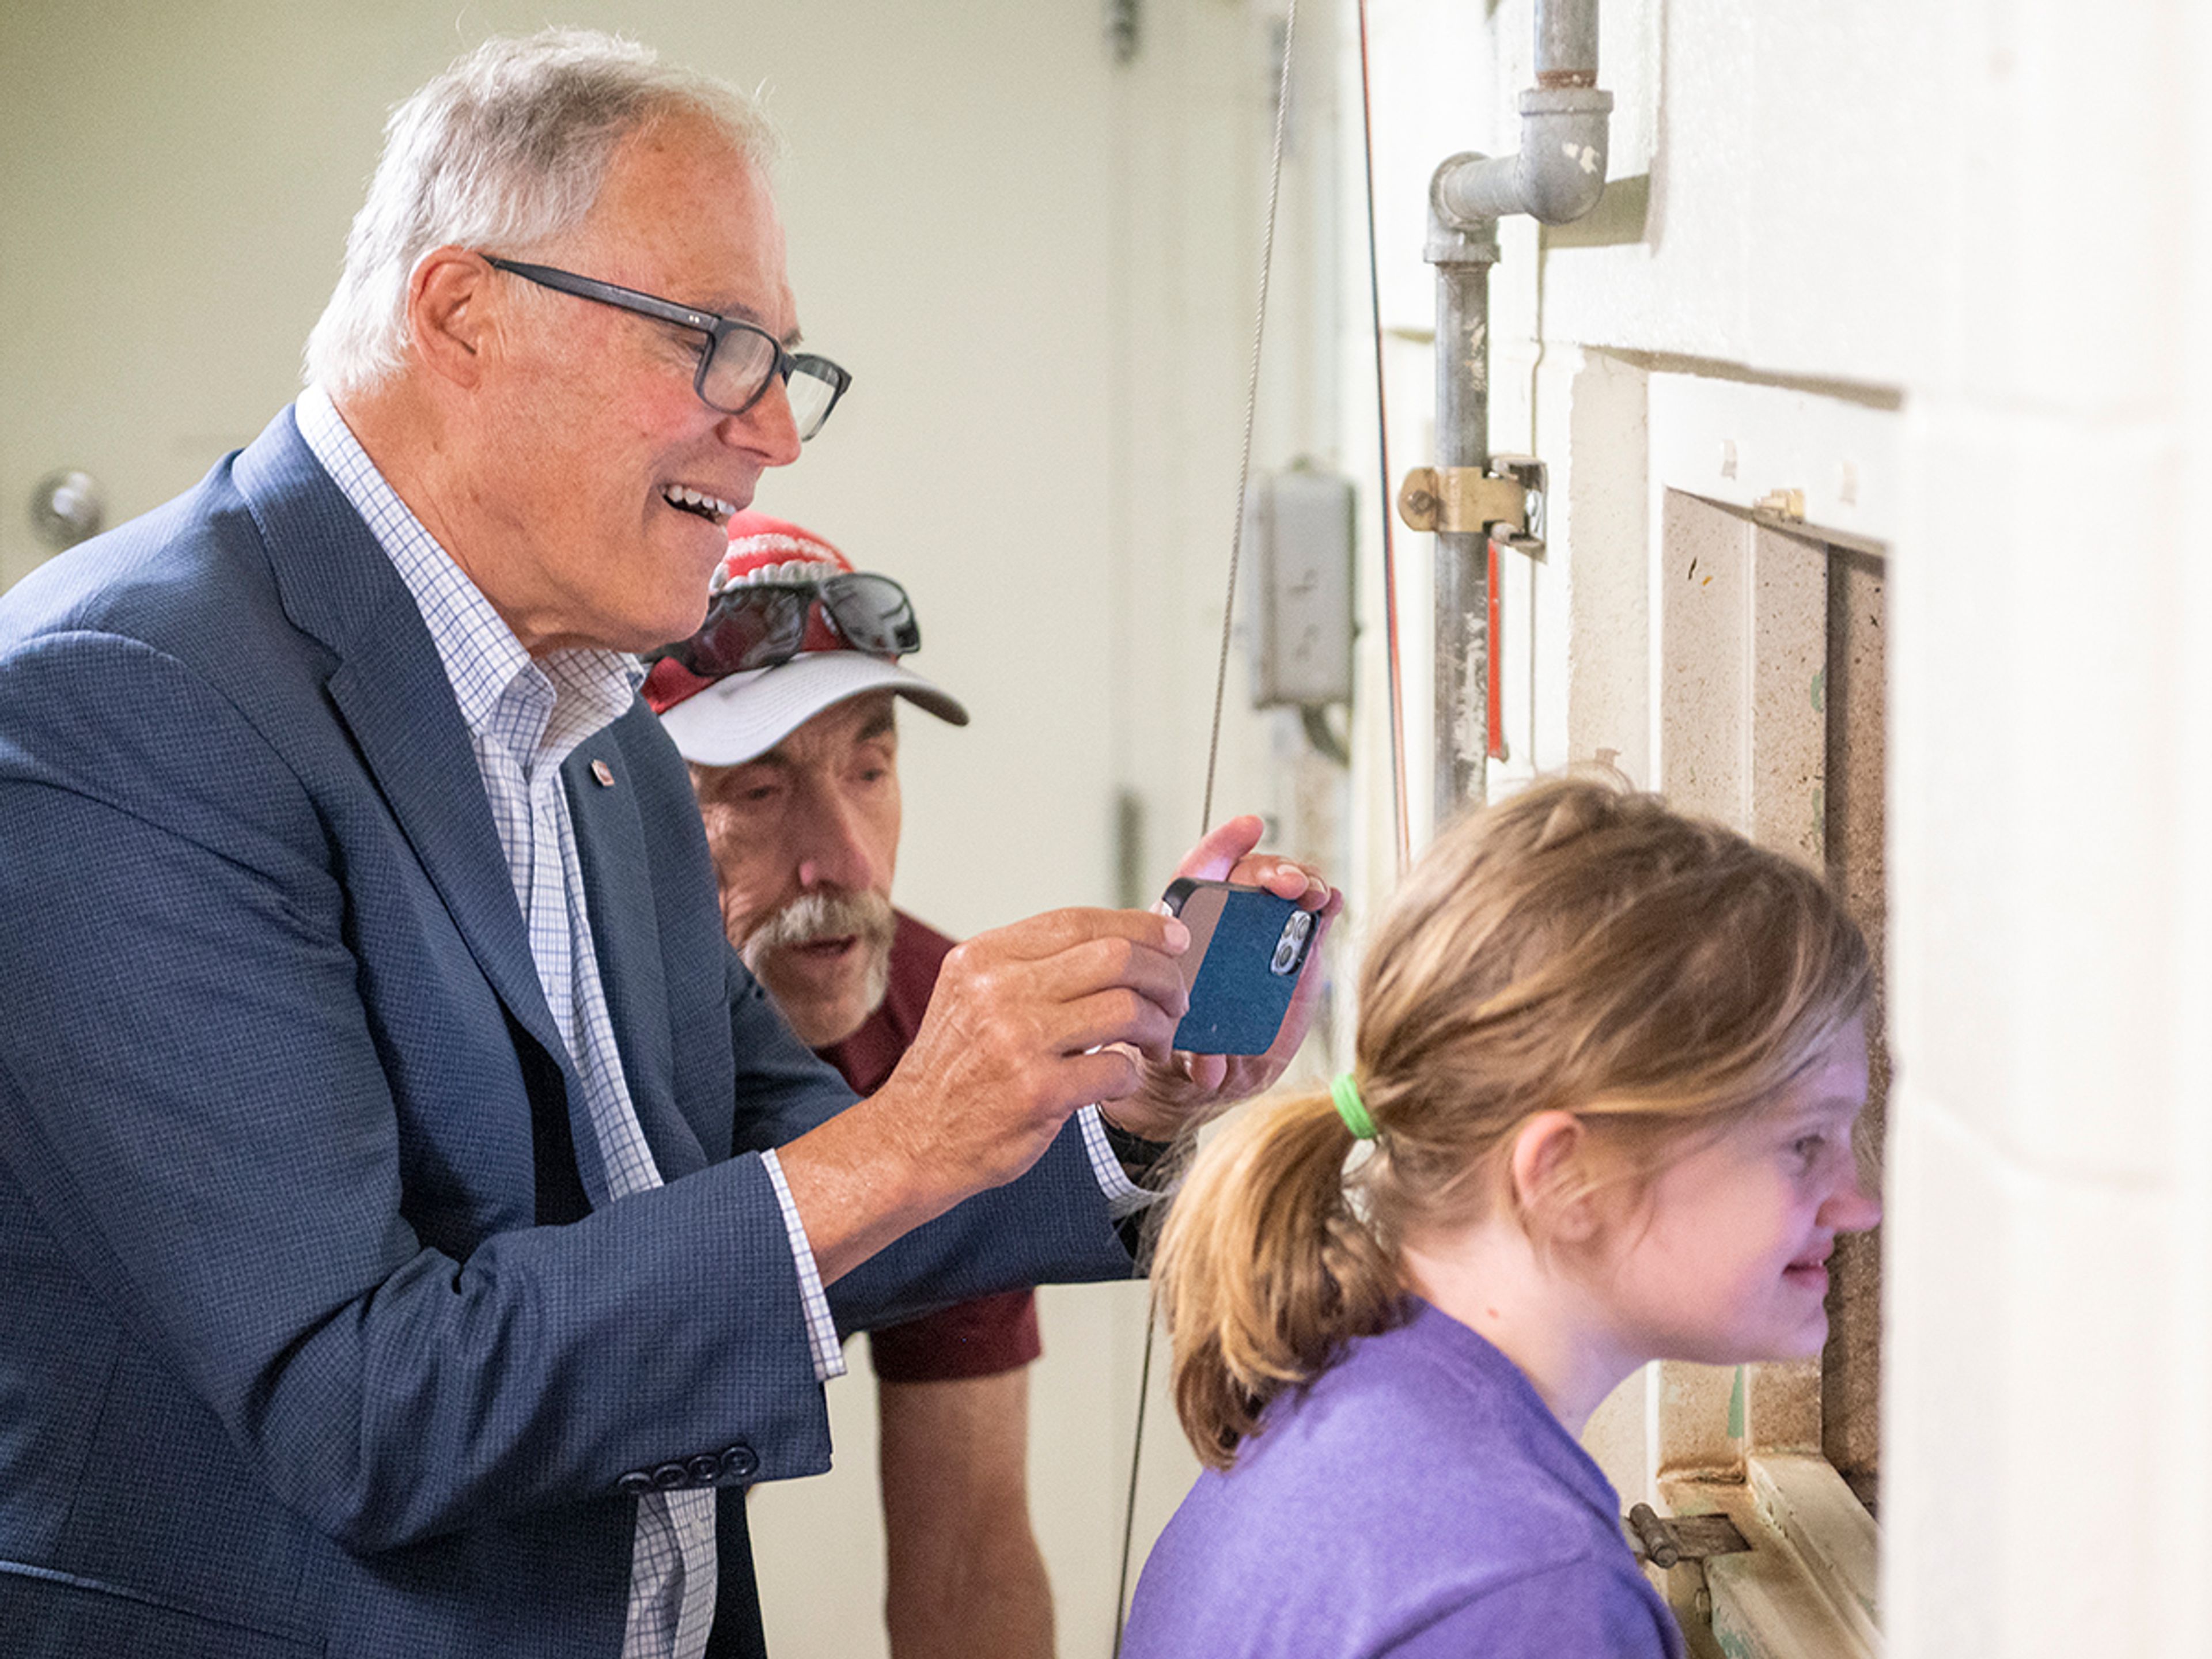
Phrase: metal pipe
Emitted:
{"points": [[1558, 173], [1462, 257], [1567, 43], [1558, 176]]}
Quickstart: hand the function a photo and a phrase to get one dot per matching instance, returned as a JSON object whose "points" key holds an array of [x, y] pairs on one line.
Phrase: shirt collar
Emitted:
{"points": [[482, 657]]}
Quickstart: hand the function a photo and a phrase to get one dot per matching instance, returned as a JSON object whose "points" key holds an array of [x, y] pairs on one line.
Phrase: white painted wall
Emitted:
{"points": [[1993, 214]]}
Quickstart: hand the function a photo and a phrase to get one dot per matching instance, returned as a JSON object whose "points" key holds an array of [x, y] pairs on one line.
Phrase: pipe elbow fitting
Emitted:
{"points": [[1471, 189], [1463, 210], [1563, 152], [1558, 175]]}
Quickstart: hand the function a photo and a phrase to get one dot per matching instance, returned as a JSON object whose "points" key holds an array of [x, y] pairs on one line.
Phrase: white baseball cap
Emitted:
{"points": [[724, 720]]}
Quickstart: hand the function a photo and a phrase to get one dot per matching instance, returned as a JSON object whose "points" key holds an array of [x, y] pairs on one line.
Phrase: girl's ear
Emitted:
{"points": [[1552, 1186]]}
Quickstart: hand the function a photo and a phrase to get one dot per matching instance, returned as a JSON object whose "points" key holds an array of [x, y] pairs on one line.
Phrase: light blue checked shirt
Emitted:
{"points": [[524, 718]]}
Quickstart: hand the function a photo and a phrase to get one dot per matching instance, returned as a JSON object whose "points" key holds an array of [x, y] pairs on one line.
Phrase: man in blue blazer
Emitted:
{"points": [[416, 1227]]}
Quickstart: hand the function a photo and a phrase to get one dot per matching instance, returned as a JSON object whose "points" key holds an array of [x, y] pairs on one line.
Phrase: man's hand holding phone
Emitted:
{"points": [[1190, 1087], [1027, 1023]]}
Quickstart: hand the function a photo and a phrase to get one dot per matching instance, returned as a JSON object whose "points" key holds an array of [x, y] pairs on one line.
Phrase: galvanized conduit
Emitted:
{"points": [[1558, 176]]}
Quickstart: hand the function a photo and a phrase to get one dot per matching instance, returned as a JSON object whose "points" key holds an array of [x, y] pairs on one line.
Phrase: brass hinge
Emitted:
{"points": [[1506, 502]]}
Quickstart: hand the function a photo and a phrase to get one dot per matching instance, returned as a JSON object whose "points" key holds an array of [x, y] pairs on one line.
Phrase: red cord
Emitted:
{"points": [[1495, 652]]}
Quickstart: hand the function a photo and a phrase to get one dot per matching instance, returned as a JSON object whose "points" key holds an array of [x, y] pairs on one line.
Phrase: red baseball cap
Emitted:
{"points": [[739, 717]]}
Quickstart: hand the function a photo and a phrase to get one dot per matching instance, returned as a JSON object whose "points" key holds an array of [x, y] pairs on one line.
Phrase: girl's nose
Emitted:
{"points": [[1851, 1208]]}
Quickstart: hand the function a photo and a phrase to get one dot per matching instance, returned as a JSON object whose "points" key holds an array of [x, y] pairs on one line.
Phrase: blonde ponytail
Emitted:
{"points": [[1265, 1269]]}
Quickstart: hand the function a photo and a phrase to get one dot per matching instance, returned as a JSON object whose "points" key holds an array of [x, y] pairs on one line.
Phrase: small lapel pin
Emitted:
{"points": [[604, 773]]}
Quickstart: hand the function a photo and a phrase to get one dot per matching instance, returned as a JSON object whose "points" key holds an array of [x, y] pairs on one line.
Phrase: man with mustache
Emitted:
{"points": [[796, 768]]}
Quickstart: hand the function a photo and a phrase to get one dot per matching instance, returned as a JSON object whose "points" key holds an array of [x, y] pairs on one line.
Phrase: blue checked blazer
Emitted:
{"points": [[310, 1341]]}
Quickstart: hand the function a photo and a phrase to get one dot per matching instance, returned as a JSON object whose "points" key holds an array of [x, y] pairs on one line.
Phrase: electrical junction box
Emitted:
{"points": [[1298, 535]]}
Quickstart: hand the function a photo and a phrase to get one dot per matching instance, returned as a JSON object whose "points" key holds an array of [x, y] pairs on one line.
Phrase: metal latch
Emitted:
{"points": [[1506, 502], [1669, 1541], [1787, 504]]}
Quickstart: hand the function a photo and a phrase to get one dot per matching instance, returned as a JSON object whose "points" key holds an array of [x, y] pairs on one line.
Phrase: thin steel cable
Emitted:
{"points": [[1136, 1463], [1403, 818], [1213, 739], [1251, 413]]}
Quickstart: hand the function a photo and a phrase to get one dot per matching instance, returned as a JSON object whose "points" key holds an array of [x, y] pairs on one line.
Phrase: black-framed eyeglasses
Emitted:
{"points": [[740, 360], [760, 624]]}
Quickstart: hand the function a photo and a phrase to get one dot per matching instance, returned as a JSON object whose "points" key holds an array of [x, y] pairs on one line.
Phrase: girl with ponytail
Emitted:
{"points": [[1609, 1062]]}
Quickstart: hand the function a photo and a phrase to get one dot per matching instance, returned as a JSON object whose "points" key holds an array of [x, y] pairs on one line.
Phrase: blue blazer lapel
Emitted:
{"points": [[618, 889], [416, 746], [391, 690]]}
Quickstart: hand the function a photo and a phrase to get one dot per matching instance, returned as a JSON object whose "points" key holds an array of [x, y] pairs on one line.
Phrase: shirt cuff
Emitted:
{"points": [[1124, 1197], [821, 1329]]}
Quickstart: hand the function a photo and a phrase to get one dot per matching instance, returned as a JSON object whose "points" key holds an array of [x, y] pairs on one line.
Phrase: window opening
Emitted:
{"points": [[1769, 715]]}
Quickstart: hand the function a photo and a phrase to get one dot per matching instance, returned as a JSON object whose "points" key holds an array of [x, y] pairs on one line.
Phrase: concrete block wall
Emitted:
{"points": [[1982, 231], [2051, 1224]]}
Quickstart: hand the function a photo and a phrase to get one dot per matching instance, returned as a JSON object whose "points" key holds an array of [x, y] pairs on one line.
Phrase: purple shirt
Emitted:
{"points": [[1417, 1499]]}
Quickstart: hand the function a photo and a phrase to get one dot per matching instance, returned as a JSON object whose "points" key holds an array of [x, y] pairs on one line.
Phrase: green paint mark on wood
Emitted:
{"points": [[1820, 689], [1735, 1406]]}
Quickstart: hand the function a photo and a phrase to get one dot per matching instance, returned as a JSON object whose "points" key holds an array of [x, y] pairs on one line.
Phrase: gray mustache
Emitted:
{"points": [[823, 915]]}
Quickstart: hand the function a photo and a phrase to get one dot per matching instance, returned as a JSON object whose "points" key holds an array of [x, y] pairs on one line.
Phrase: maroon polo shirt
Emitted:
{"points": [[992, 1334]]}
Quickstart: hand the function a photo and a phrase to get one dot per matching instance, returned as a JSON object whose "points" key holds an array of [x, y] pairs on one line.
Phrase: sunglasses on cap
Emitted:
{"points": [[753, 625]]}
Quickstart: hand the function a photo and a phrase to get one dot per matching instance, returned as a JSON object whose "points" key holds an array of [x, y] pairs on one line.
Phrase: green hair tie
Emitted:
{"points": [[1349, 1107]]}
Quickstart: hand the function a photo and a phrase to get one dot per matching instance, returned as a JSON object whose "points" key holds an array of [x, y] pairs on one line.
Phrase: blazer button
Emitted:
{"points": [[636, 1484], [703, 1467], [739, 1461], [669, 1476]]}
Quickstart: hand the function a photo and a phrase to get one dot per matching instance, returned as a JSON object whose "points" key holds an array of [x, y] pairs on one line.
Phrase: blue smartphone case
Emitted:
{"points": [[1247, 965]]}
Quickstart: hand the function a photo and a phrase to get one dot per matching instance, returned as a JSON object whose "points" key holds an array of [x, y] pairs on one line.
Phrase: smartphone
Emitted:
{"points": [[1247, 947]]}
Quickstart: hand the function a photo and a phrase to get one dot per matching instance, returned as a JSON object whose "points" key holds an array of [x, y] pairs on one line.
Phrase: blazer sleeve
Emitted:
{"points": [[197, 1107], [1049, 1225]]}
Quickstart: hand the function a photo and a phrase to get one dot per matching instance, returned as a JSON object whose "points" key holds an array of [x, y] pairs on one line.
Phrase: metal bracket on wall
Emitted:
{"points": [[1667, 1540], [1504, 501], [1786, 505]]}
